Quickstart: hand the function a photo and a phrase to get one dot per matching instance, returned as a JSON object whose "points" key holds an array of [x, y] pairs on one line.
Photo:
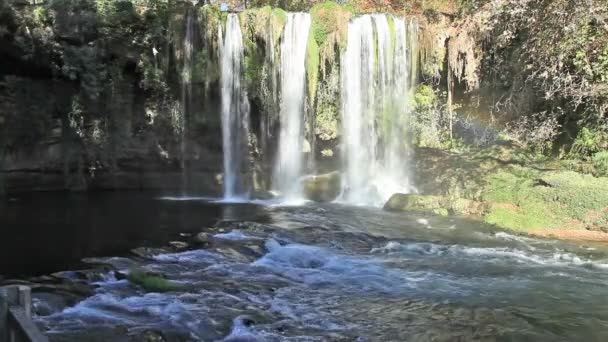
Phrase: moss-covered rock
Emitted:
{"points": [[312, 68], [415, 202], [322, 188], [151, 282], [439, 205]]}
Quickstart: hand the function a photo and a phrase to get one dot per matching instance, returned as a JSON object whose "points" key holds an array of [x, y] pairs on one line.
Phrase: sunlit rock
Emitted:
{"points": [[322, 188]]}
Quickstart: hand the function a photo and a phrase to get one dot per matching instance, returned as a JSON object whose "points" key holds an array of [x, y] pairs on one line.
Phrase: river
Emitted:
{"points": [[304, 273]]}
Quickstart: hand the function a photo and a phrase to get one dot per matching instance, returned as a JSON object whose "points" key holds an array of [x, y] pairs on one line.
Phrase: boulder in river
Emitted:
{"points": [[322, 188], [414, 202], [439, 205]]}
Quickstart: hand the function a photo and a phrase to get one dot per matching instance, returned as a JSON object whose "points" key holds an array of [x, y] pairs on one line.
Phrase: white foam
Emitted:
{"points": [[233, 200], [422, 221], [194, 256], [240, 332], [189, 198], [236, 235]]}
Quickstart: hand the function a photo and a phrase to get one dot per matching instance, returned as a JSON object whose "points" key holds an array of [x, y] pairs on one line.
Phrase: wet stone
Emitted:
{"points": [[178, 245]]}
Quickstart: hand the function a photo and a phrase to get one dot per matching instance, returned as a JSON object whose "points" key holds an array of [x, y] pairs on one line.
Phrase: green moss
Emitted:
{"points": [[524, 198], [328, 17], [254, 63], [312, 66], [393, 32], [151, 282], [516, 220], [212, 16], [278, 19], [279, 15]]}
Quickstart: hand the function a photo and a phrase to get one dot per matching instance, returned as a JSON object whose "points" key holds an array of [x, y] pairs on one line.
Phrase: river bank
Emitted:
{"points": [[509, 187]]}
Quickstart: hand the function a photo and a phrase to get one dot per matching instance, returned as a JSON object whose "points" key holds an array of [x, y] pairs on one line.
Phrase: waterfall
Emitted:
{"points": [[235, 108], [288, 166], [186, 92], [377, 75]]}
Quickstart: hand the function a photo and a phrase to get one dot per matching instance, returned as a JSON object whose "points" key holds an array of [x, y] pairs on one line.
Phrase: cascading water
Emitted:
{"points": [[235, 108], [186, 91], [377, 72], [288, 167]]}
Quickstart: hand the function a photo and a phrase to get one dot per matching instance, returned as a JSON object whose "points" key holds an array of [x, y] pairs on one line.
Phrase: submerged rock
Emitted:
{"points": [[178, 245], [322, 188], [151, 336]]}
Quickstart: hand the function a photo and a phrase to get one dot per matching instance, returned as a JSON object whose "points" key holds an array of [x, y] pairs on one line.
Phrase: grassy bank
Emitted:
{"points": [[517, 190]]}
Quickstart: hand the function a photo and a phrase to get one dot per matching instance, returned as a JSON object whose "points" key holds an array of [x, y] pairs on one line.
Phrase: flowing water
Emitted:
{"points": [[288, 168], [378, 70], [186, 90], [316, 273], [235, 108]]}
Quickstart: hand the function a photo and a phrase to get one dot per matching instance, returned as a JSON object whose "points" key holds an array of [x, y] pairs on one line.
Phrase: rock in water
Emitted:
{"points": [[322, 188], [439, 205], [403, 202]]}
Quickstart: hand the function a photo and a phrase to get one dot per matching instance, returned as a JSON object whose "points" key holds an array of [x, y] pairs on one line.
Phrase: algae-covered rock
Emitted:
{"points": [[322, 188]]}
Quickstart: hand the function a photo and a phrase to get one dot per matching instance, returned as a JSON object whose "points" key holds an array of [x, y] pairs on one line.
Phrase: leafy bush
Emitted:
{"points": [[42, 16], [587, 142], [600, 161]]}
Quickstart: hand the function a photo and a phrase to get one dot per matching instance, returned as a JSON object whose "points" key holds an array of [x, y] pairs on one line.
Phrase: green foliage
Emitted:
{"points": [[312, 66], [116, 17], [212, 16], [600, 162], [588, 141], [428, 126], [151, 282], [42, 17], [327, 17], [424, 97]]}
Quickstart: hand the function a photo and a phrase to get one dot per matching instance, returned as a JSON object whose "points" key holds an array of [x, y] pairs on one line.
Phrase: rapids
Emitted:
{"points": [[342, 273]]}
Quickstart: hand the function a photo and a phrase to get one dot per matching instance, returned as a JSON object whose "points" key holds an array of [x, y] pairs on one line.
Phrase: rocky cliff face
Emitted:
{"points": [[90, 99], [92, 93]]}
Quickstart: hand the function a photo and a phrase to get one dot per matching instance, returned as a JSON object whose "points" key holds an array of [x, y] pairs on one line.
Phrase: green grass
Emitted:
{"points": [[151, 282], [520, 202]]}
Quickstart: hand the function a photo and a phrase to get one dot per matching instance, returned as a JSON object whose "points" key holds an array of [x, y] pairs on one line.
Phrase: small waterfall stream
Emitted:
{"points": [[235, 108], [377, 77], [288, 167], [186, 92]]}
